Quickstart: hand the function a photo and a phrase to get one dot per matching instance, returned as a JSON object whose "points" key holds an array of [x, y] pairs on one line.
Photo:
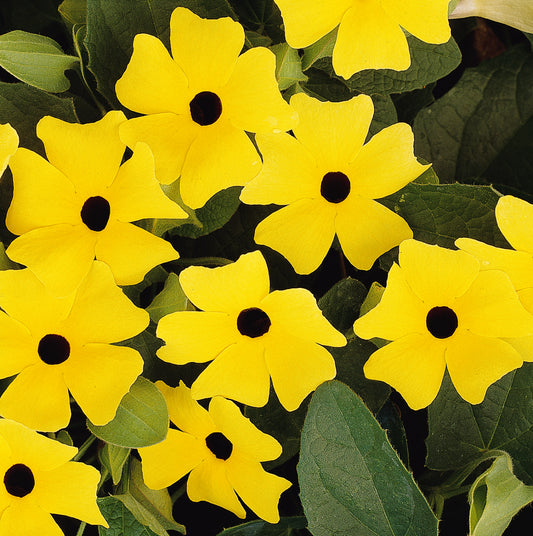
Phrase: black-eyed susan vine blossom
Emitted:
{"points": [[56, 345], [221, 449], [250, 334], [440, 310], [199, 104], [370, 32], [77, 205], [38, 479], [330, 180]]}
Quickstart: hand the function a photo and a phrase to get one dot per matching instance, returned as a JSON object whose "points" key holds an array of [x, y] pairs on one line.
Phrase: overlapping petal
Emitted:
{"points": [[515, 217], [16, 346], [9, 142], [21, 519]]}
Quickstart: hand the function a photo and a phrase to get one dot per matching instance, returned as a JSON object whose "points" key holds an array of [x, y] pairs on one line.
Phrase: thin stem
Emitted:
{"points": [[84, 448], [81, 529]]}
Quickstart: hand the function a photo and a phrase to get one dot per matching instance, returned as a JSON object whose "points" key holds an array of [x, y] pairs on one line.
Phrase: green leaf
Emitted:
{"points": [[113, 459], [74, 11], [288, 66], [141, 419], [495, 497], [460, 433], [120, 520], [36, 60], [169, 300], [323, 48], [5, 262], [285, 527], [483, 127], [351, 480], [262, 16]]}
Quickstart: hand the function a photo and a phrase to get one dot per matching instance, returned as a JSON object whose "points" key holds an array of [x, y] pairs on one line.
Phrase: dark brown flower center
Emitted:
{"points": [[53, 349], [19, 480], [206, 108], [253, 322], [95, 213], [441, 322], [219, 445], [335, 186]]}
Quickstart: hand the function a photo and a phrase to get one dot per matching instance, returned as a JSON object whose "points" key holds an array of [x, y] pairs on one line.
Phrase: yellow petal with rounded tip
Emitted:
{"points": [[399, 313], [168, 461], [89, 155], [306, 21], [42, 195], [523, 345], [246, 438], [9, 142], [476, 362], [91, 376], [515, 217], [23, 518], [169, 137], [152, 82], [259, 490], [131, 252], [70, 490], [239, 373], [194, 336], [368, 38], [229, 288], [414, 365], [251, 98], [297, 312], [60, 255], [206, 49], [302, 232], [333, 132], [17, 346], [221, 156], [437, 275], [367, 229], [38, 398]]}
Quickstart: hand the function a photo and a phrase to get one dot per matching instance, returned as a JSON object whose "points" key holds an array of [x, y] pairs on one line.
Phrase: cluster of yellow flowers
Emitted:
{"points": [[72, 213]]}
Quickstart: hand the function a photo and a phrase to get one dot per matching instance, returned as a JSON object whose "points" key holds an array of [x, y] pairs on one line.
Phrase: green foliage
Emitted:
{"points": [[351, 480], [113, 459], [285, 527], [288, 66], [120, 520], [170, 299], [74, 11]]}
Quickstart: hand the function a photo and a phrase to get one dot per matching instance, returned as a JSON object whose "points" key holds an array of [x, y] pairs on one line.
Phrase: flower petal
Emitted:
{"points": [[38, 398], [221, 156], [59, 255], [523, 345], [89, 155], [152, 82], [42, 195], [239, 373], [169, 137], [297, 312], [414, 365], [367, 229], [248, 440], [289, 172], [131, 252], [70, 490], [194, 336], [476, 362], [259, 490], [17, 346], [515, 217], [168, 461], [24, 517], [206, 49], [229, 288], [302, 232], [333, 132], [251, 98], [369, 38], [91, 376], [9, 141]]}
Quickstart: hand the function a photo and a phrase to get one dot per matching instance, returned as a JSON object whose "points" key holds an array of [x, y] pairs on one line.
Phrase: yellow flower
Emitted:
{"points": [[370, 34], [441, 311], [200, 102], [39, 480], [9, 142], [78, 205], [515, 220], [223, 452], [251, 334], [329, 180], [56, 345]]}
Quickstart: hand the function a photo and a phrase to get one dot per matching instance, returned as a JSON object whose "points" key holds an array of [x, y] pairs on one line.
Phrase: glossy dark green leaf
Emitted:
{"points": [[120, 520], [285, 527], [262, 16], [74, 11], [169, 300]]}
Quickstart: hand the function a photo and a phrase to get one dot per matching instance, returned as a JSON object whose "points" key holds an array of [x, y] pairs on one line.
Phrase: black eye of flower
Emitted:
{"points": [[335, 186], [95, 213], [253, 322], [19, 480], [206, 108], [53, 349], [441, 322], [219, 445]]}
